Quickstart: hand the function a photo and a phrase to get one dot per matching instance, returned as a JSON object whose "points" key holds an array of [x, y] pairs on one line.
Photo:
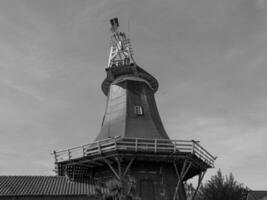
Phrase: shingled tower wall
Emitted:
{"points": [[131, 109]]}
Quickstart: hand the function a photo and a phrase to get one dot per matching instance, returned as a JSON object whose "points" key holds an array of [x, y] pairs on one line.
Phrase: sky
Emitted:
{"points": [[209, 57]]}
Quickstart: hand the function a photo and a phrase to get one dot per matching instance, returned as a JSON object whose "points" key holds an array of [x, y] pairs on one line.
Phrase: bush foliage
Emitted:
{"points": [[221, 187]]}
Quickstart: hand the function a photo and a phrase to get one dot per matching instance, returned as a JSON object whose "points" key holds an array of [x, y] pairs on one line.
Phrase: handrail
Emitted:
{"points": [[88, 144], [204, 150], [135, 145]]}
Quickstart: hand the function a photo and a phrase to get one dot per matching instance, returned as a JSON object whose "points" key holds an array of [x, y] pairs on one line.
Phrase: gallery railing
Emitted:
{"points": [[136, 145]]}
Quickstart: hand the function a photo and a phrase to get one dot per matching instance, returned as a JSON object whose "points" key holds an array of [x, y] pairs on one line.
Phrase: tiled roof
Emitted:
{"points": [[44, 185], [257, 195]]}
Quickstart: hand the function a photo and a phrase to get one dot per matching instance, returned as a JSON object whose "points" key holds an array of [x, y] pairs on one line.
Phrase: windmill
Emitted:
{"points": [[132, 142]]}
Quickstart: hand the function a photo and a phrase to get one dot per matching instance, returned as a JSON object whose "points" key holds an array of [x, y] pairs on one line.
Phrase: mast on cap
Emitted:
{"points": [[121, 52]]}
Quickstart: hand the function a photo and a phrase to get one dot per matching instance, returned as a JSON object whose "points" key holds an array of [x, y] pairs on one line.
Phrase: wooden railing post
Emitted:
{"points": [[99, 147], [174, 147], [115, 140], [83, 149], [69, 154], [136, 144], [193, 147], [55, 155]]}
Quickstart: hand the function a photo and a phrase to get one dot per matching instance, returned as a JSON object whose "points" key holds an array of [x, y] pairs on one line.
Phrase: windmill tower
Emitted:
{"points": [[132, 143]]}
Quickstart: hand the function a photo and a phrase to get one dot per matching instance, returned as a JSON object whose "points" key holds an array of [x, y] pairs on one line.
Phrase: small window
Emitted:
{"points": [[138, 110]]}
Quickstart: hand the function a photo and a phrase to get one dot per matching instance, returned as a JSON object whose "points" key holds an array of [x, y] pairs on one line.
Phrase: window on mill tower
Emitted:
{"points": [[138, 110]]}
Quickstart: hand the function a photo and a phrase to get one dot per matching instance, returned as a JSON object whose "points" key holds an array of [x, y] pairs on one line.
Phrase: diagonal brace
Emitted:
{"points": [[200, 178], [119, 174], [128, 167], [112, 169], [180, 175]]}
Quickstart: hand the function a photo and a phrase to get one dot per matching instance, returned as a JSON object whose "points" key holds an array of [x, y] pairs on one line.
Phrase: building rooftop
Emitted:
{"points": [[44, 185], [257, 195]]}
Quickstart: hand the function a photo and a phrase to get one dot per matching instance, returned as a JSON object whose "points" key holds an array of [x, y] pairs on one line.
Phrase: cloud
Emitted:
{"points": [[209, 57]]}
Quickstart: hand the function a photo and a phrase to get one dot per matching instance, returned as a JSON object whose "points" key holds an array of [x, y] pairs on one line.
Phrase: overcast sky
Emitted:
{"points": [[208, 55]]}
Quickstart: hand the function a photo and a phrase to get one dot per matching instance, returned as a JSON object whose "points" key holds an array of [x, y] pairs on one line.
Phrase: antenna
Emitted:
{"points": [[121, 52]]}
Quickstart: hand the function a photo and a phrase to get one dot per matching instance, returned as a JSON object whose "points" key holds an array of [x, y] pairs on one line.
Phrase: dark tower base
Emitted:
{"points": [[148, 180]]}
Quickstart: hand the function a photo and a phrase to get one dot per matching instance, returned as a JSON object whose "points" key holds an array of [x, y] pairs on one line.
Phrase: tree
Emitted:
{"points": [[122, 190], [116, 190], [221, 187]]}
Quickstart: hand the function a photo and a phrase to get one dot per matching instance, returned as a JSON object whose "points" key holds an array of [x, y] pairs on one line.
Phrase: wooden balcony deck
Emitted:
{"points": [[135, 145]]}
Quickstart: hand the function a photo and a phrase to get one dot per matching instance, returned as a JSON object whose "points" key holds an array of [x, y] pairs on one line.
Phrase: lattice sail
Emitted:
{"points": [[121, 52]]}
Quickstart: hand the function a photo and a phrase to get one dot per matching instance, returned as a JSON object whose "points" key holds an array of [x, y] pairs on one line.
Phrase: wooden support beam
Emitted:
{"points": [[176, 189], [95, 163], [181, 175], [80, 164], [85, 165], [112, 169], [176, 170], [188, 167], [119, 166], [128, 167], [179, 178], [86, 162], [200, 178], [183, 169]]}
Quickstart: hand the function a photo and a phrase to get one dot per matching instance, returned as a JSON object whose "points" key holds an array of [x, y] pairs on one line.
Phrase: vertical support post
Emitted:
{"points": [[73, 172], [66, 171]]}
